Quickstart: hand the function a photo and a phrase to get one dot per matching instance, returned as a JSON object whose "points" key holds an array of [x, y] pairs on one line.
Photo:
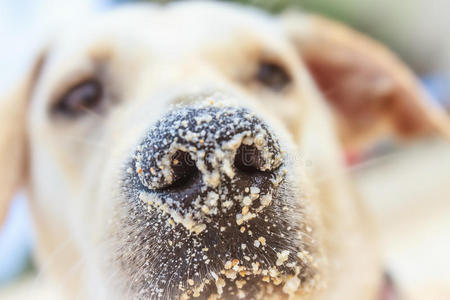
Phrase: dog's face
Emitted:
{"points": [[168, 154], [164, 145], [160, 134]]}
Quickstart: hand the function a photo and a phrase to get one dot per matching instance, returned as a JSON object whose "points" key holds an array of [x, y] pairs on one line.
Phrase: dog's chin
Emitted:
{"points": [[162, 258]]}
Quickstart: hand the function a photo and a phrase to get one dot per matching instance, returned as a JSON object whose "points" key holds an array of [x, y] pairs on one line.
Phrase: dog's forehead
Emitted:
{"points": [[175, 28]]}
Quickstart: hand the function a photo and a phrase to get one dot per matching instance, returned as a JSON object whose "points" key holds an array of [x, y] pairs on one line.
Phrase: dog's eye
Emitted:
{"points": [[273, 76], [85, 96]]}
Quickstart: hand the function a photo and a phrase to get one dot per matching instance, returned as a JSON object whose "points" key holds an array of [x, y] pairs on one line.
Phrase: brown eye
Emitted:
{"points": [[272, 76], [85, 96]]}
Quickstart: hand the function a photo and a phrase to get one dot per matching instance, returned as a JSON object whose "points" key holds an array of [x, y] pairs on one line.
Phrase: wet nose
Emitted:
{"points": [[209, 160]]}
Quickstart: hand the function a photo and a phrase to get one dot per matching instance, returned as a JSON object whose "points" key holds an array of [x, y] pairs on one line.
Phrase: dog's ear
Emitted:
{"points": [[13, 136], [370, 90]]}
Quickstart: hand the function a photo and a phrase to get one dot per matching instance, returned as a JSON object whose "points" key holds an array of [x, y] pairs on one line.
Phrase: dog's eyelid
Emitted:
{"points": [[79, 98], [273, 73], [68, 81]]}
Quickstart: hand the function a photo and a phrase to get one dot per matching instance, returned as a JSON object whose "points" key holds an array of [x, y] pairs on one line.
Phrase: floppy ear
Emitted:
{"points": [[13, 138], [371, 91]]}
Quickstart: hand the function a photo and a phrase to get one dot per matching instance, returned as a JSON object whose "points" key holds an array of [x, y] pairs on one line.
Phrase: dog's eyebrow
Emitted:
{"points": [[101, 53]]}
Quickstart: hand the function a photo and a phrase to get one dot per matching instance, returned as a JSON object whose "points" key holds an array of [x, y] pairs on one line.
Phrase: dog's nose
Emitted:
{"points": [[211, 160]]}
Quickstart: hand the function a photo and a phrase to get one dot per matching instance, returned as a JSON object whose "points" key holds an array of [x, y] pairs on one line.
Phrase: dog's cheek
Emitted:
{"points": [[108, 207]]}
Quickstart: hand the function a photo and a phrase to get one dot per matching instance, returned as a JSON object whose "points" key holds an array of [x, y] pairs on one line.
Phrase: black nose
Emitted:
{"points": [[205, 161]]}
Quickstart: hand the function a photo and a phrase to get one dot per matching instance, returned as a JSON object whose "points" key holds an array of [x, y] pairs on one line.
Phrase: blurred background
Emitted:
{"points": [[408, 188]]}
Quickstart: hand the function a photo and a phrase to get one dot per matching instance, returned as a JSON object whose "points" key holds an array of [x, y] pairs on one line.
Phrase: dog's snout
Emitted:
{"points": [[207, 160], [211, 181]]}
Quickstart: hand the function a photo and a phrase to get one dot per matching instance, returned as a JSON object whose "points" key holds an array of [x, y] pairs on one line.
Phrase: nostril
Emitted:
{"points": [[184, 170], [248, 159]]}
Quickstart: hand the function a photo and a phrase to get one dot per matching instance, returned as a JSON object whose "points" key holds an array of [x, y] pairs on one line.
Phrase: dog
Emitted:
{"points": [[195, 151]]}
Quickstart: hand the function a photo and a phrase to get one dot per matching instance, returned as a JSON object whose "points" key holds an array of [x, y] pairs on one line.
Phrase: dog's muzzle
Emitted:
{"points": [[210, 208]]}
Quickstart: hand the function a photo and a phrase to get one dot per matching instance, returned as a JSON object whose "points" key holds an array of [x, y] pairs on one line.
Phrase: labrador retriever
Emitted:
{"points": [[195, 151]]}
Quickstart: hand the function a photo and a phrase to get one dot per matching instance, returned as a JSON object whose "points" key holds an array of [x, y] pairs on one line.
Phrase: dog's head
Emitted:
{"points": [[162, 146]]}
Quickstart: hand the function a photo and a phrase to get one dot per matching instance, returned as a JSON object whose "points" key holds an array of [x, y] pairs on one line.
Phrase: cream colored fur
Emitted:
{"points": [[149, 58]]}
